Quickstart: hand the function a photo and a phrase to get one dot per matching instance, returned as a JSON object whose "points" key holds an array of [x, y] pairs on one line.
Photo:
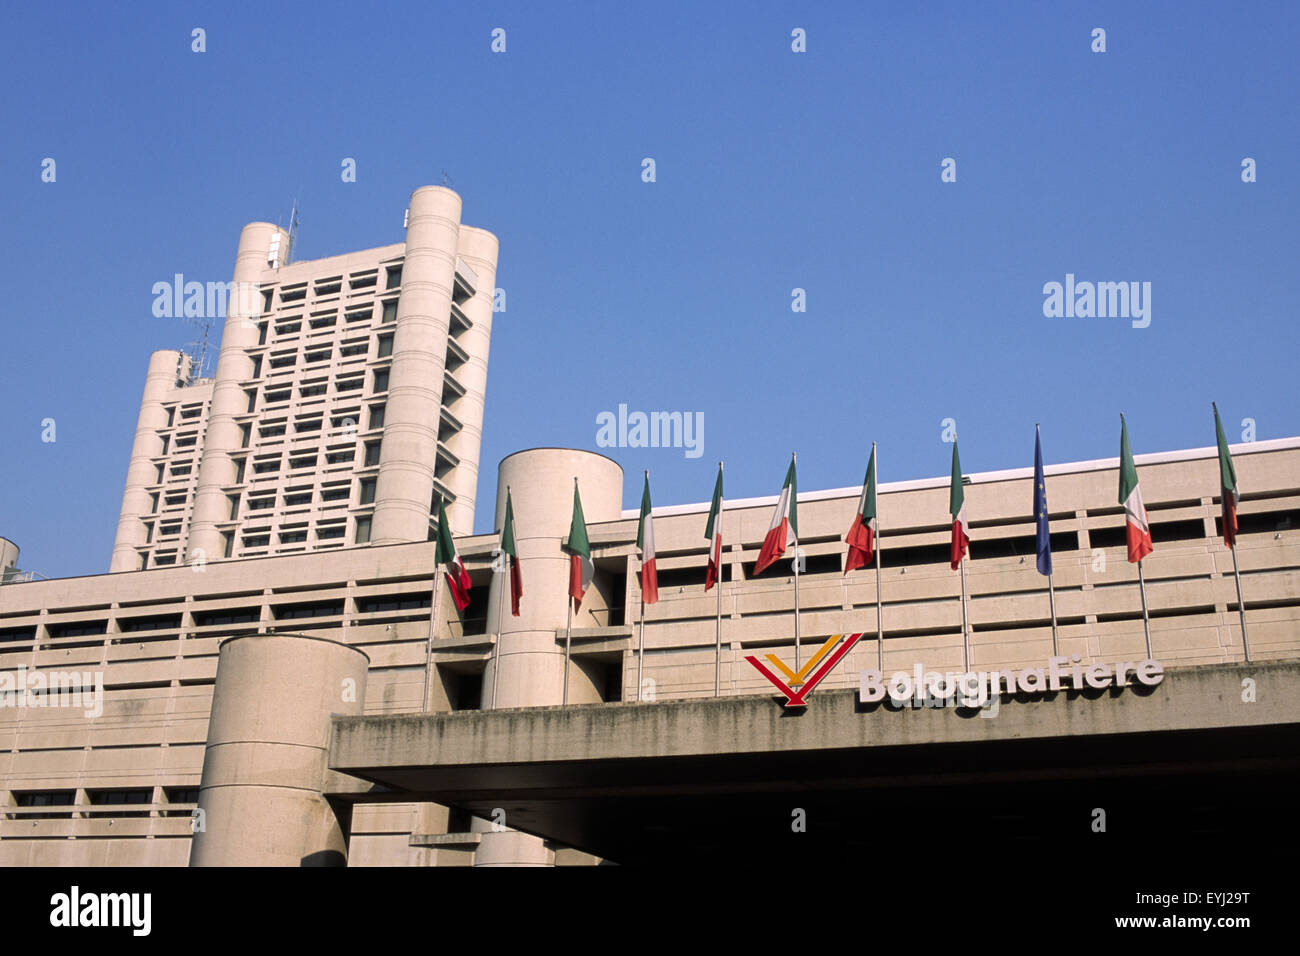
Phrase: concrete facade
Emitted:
{"points": [[348, 393], [120, 788]]}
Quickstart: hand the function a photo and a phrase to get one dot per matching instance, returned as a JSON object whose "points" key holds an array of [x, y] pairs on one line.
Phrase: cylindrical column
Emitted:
{"points": [[410, 449], [267, 751], [529, 663], [164, 367], [8, 555], [478, 248], [234, 368]]}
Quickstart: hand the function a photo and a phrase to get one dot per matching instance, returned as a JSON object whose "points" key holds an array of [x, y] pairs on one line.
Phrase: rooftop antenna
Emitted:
{"points": [[447, 180], [198, 349], [293, 225]]}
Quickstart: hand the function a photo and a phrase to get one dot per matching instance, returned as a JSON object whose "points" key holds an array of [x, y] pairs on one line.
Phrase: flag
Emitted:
{"points": [[713, 531], [957, 508], [445, 555], [1044, 543], [645, 540], [509, 549], [581, 567], [861, 538], [784, 530], [1130, 496], [1227, 484]]}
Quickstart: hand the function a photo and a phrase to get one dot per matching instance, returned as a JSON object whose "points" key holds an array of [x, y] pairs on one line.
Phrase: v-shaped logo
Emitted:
{"points": [[798, 685]]}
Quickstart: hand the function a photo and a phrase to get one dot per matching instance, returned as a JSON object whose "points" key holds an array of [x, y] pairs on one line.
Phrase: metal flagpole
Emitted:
{"points": [[717, 640], [501, 612], [433, 629], [793, 505], [1241, 605], [568, 633], [880, 627], [1146, 622], [640, 643], [965, 641], [1051, 597]]}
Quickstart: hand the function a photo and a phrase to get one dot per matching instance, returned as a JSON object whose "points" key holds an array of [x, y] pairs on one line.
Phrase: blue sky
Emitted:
{"points": [[775, 170]]}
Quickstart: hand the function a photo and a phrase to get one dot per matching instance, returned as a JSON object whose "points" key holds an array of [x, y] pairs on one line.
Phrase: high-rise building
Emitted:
{"points": [[348, 395]]}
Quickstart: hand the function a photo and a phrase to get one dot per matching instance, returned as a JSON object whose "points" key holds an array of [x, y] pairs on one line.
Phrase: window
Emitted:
{"points": [[353, 348], [394, 277], [381, 380], [324, 533], [340, 457], [243, 615], [266, 467], [352, 384], [363, 280], [159, 477], [148, 532], [393, 602], [256, 540], [166, 440], [171, 415], [261, 330], [181, 470], [234, 507], [297, 500], [295, 536], [159, 622], [79, 629], [260, 504], [385, 346], [252, 404], [239, 470], [377, 416], [272, 431], [304, 462], [367, 492], [281, 395], [257, 367], [334, 493], [228, 544], [372, 453], [244, 429], [363, 530], [283, 361], [310, 391], [390, 310], [304, 425], [316, 609]]}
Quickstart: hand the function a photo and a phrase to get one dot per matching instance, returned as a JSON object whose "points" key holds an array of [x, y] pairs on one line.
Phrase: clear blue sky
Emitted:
{"points": [[775, 170]]}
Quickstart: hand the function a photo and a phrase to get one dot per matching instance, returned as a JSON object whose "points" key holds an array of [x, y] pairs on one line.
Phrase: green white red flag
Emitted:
{"points": [[510, 550], [861, 538], [1130, 496], [581, 568], [445, 555], [713, 531], [957, 508], [645, 541], [1227, 484], [784, 529]]}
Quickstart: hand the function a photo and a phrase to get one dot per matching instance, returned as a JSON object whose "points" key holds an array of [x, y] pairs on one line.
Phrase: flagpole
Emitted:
{"points": [[1146, 622], [640, 644], [433, 626], [1051, 597], [503, 583], [965, 641], [1241, 605], [717, 639], [880, 627], [568, 632], [793, 504]]}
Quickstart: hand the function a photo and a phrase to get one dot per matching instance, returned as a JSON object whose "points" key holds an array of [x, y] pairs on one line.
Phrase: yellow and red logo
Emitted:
{"points": [[798, 685]]}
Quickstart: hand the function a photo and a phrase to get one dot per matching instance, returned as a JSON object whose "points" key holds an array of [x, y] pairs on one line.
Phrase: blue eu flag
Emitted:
{"points": [[1044, 543]]}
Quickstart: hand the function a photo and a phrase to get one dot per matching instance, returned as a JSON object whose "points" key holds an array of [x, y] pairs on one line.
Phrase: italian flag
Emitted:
{"points": [[581, 567], [784, 530], [957, 508], [1227, 484], [445, 555], [645, 540], [510, 550], [713, 531], [1130, 496], [861, 538]]}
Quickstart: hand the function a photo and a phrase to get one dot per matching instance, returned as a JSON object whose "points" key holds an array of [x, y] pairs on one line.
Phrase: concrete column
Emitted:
{"points": [[8, 555], [478, 247], [408, 455], [267, 752], [529, 664], [164, 369], [223, 437]]}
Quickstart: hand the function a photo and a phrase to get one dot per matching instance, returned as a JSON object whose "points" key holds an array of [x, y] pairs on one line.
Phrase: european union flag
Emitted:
{"points": [[1044, 544]]}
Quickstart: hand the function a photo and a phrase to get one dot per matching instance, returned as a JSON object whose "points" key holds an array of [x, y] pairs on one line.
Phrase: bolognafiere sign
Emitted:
{"points": [[969, 689]]}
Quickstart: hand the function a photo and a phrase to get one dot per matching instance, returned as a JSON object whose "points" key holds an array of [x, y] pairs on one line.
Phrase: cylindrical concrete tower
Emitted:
{"points": [[165, 367], [410, 449], [8, 556], [267, 751], [529, 663], [478, 247], [234, 368]]}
